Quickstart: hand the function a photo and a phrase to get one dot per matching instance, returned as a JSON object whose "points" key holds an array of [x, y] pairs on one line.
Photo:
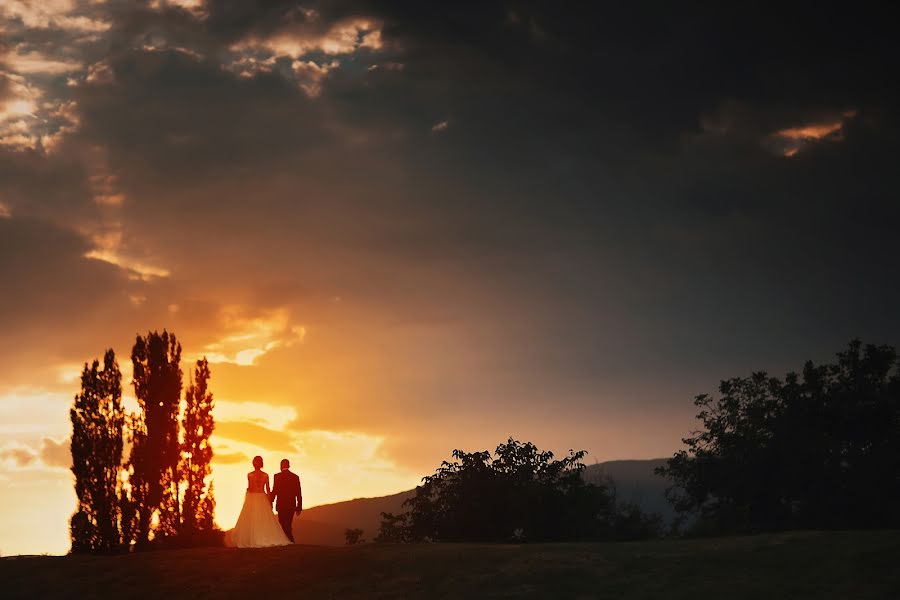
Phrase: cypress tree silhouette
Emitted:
{"points": [[196, 452], [154, 475], [97, 423]]}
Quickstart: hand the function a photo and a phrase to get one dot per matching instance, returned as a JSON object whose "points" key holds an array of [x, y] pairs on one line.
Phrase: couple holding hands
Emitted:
{"points": [[257, 526]]}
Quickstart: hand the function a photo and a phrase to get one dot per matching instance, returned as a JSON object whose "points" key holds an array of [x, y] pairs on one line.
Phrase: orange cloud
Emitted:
{"points": [[21, 457], [256, 435], [811, 132], [343, 37], [231, 458], [51, 453], [56, 454], [792, 140], [110, 254], [252, 336], [311, 75], [36, 63], [50, 14], [298, 42]]}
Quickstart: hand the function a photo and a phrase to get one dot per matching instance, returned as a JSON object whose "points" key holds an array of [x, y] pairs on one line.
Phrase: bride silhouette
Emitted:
{"points": [[257, 526]]}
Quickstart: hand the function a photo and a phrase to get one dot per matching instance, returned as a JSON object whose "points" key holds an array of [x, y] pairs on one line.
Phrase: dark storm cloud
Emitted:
{"points": [[645, 242], [606, 89], [606, 218], [191, 118], [34, 184], [594, 121]]}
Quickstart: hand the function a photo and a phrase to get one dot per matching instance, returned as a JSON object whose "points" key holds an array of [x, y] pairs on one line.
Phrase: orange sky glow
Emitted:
{"points": [[394, 232]]}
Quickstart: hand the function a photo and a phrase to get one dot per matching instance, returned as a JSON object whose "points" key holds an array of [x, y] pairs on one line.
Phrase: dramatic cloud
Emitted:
{"points": [[307, 35], [252, 336], [52, 14], [282, 187], [396, 228]]}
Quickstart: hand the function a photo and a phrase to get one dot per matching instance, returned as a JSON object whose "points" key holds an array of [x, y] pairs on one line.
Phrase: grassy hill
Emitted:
{"points": [[793, 565], [325, 525]]}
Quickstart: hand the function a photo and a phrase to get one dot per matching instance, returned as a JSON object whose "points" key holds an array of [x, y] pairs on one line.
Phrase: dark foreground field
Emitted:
{"points": [[793, 565]]}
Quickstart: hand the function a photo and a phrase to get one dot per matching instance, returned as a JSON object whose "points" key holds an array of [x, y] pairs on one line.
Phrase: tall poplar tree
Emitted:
{"points": [[154, 473], [97, 423], [196, 453]]}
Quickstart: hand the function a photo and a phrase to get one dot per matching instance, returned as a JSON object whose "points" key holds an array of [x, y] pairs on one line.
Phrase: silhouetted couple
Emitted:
{"points": [[256, 526]]}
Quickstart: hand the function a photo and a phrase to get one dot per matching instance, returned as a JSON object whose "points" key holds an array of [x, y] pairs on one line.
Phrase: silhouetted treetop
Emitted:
{"points": [[97, 420], [517, 493], [819, 449]]}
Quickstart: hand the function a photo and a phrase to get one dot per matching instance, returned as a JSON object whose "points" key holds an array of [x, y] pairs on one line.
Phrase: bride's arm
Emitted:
{"points": [[268, 491], [248, 482]]}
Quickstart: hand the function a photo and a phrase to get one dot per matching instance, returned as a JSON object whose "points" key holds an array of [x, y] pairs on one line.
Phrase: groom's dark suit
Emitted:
{"points": [[288, 499]]}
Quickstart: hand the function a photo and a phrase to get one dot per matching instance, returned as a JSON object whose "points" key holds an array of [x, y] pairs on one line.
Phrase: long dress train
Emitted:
{"points": [[257, 526]]}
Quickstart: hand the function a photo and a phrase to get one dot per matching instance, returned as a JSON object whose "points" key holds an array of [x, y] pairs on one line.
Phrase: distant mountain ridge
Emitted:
{"points": [[326, 524], [634, 482]]}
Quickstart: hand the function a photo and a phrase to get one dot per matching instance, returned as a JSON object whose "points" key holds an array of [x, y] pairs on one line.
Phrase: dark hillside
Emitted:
{"points": [[325, 525], [820, 565]]}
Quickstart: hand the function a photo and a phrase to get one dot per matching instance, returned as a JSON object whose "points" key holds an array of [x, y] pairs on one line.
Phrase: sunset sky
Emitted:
{"points": [[400, 227]]}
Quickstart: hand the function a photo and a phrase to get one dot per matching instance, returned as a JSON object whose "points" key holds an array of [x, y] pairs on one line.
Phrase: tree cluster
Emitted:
{"points": [[816, 450], [157, 489], [518, 493]]}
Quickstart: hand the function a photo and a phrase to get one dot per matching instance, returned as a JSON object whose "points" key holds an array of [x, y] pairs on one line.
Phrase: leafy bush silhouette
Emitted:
{"points": [[518, 493], [353, 536]]}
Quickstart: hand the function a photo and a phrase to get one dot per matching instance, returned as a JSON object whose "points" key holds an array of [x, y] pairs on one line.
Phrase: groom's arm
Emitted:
{"points": [[299, 496]]}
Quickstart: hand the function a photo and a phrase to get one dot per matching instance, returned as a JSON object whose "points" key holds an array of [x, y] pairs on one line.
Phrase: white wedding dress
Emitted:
{"points": [[257, 526]]}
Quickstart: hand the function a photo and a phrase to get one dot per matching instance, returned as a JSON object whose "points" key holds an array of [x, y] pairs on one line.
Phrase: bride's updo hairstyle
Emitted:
{"points": [[257, 462]]}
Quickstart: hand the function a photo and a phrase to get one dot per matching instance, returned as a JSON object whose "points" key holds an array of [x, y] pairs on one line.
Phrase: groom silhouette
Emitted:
{"points": [[287, 496]]}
